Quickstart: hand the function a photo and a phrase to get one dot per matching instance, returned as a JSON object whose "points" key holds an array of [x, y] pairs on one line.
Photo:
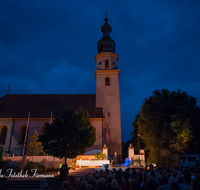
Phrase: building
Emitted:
{"points": [[103, 107]]}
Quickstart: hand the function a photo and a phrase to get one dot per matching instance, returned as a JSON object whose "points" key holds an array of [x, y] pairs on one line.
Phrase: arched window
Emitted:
{"points": [[3, 133], [43, 130], [107, 81], [22, 133], [106, 64]]}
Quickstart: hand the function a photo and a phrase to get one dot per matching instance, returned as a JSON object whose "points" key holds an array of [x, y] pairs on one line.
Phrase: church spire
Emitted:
{"points": [[106, 44], [106, 20]]}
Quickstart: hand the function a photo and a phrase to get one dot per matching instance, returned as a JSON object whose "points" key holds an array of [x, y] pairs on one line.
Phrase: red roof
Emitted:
{"points": [[41, 105]]}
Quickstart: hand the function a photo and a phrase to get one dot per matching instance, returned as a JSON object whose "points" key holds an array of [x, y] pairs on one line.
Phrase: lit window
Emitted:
{"points": [[106, 64], [107, 81], [3, 133]]}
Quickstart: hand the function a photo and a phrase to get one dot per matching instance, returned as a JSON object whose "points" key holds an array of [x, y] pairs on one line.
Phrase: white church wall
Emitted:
{"points": [[17, 149], [8, 123], [49, 161]]}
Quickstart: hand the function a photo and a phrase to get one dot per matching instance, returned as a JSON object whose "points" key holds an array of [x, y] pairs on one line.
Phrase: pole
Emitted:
{"points": [[47, 154], [50, 118], [23, 154], [11, 135]]}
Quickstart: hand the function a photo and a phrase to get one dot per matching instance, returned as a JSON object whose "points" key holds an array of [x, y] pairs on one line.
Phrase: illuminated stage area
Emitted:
{"points": [[91, 163]]}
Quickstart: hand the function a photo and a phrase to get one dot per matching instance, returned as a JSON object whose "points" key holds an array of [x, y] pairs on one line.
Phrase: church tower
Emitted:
{"points": [[107, 90]]}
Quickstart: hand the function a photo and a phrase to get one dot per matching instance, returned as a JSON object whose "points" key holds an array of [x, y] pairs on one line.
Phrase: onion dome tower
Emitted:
{"points": [[107, 90], [106, 43]]}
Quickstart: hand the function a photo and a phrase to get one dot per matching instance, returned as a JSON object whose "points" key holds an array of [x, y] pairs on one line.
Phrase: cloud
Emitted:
{"points": [[49, 47]]}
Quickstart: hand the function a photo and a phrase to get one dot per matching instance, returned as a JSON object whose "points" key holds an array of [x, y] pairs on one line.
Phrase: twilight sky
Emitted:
{"points": [[48, 47]]}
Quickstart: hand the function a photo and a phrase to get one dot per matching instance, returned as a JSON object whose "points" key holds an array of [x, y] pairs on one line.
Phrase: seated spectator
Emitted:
{"points": [[83, 184], [100, 184], [123, 188], [109, 179], [134, 185], [109, 186], [151, 184], [66, 186], [115, 184], [171, 179], [180, 180], [166, 185], [195, 184], [174, 186], [159, 180], [88, 187], [187, 178]]}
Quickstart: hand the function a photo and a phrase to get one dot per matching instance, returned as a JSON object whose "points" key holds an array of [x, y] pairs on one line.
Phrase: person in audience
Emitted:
{"points": [[195, 184], [174, 186], [134, 184], [115, 184], [66, 186], [165, 178]]}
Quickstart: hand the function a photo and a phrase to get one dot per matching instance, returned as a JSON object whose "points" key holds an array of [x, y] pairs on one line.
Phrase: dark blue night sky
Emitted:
{"points": [[48, 47]]}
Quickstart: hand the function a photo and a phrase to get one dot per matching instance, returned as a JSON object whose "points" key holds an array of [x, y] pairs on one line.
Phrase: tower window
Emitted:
{"points": [[99, 62], [106, 64], [113, 63], [107, 81], [108, 114]]}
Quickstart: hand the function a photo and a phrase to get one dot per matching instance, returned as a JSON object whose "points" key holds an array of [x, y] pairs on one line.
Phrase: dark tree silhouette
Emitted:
{"points": [[69, 135]]}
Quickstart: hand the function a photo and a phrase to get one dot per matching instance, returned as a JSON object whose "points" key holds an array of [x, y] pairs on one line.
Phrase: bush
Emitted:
{"points": [[138, 160], [31, 165], [106, 166], [100, 156], [52, 169]]}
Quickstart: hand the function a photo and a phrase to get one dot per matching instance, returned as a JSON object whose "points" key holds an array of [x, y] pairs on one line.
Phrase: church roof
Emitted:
{"points": [[41, 105]]}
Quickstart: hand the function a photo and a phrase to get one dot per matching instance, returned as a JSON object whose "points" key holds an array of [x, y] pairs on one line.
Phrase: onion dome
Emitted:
{"points": [[106, 44]]}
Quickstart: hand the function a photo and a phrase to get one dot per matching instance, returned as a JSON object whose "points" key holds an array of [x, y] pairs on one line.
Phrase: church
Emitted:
{"points": [[19, 110]]}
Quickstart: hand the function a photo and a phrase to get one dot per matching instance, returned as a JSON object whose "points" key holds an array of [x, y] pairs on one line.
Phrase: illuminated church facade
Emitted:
{"points": [[19, 110]]}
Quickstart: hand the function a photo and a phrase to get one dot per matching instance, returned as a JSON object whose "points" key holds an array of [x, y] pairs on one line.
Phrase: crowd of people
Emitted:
{"points": [[154, 179]]}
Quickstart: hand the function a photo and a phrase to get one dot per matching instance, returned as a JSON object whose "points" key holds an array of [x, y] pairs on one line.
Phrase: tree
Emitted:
{"points": [[35, 147], [69, 135], [167, 122]]}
